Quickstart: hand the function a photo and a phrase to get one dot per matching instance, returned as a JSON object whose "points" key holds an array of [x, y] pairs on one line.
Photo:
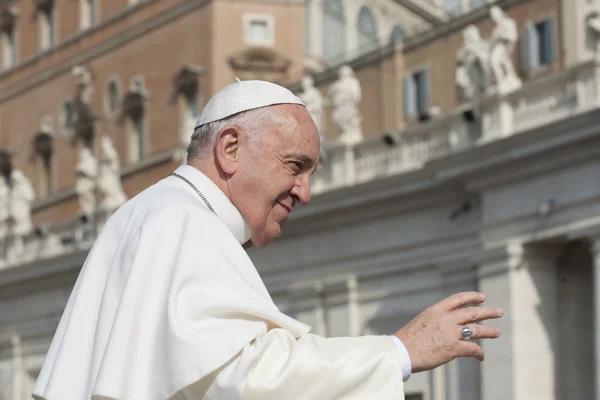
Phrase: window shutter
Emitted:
{"points": [[409, 96], [530, 48], [550, 41], [423, 89]]}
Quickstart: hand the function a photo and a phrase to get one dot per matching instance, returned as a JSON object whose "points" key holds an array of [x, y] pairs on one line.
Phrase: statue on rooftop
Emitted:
{"points": [[85, 185], [345, 95], [109, 177], [484, 64]]}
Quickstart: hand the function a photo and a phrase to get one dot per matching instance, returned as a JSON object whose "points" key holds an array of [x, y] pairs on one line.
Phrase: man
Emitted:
{"points": [[169, 306]]}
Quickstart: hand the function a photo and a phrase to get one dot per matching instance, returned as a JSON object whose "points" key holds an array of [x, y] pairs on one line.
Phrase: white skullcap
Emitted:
{"points": [[243, 96]]}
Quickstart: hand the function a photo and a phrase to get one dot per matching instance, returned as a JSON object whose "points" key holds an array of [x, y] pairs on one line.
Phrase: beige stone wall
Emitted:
{"points": [[228, 18], [439, 54], [207, 37]]}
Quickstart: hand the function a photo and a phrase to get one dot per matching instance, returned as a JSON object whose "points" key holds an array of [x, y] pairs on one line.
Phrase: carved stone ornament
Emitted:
{"points": [[472, 64], [44, 5], [186, 80], [592, 22], [315, 104], [133, 105], [485, 64], [345, 95], [16, 196], [260, 63], [133, 102], [43, 147], [8, 17], [109, 177], [84, 118], [85, 185]]}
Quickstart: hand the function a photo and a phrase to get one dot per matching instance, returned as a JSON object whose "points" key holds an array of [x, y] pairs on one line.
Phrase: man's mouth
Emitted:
{"points": [[288, 208]]}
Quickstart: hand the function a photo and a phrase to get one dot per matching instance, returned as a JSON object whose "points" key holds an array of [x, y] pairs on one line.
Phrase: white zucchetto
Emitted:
{"points": [[243, 96]]}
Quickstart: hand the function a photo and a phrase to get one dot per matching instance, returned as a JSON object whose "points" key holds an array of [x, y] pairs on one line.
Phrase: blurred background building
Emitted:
{"points": [[461, 151]]}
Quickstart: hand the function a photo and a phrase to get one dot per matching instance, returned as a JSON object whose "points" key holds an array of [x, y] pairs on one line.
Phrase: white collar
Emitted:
{"points": [[223, 207]]}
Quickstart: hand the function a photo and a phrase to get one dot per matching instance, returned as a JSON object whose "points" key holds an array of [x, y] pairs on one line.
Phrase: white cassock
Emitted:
{"points": [[168, 305]]}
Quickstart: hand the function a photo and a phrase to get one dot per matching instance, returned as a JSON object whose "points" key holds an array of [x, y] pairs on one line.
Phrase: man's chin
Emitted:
{"points": [[265, 239]]}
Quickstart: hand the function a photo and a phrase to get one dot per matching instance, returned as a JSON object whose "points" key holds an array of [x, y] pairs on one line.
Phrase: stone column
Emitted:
{"points": [[522, 280], [462, 376], [320, 319], [595, 248], [353, 306]]}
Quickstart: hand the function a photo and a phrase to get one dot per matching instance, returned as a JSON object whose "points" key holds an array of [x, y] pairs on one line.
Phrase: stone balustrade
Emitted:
{"points": [[535, 105]]}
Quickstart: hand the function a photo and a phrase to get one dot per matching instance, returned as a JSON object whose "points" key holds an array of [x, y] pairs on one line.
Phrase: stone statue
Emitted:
{"points": [[592, 20], [472, 64], [502, 44], [83, 117], [85, 186], [21, 197], [16, 196], [109, 177], [314, 102], [481, 62], [345, 95], [84, 84]]}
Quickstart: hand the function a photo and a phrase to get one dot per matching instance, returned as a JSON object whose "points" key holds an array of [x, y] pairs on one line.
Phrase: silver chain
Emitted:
{"points": [[196, 189]]}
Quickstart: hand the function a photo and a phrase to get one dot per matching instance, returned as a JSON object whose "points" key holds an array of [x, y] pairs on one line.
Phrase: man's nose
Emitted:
{"points": [[301, 191]]}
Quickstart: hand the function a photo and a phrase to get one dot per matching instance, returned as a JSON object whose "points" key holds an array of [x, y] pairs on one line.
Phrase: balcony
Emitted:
{"points": [[535, 105]]}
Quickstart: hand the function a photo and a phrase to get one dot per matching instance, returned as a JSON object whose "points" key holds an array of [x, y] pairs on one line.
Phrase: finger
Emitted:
{"points": [[461, 299], [480, 332], [470, 349], [475, 314]]}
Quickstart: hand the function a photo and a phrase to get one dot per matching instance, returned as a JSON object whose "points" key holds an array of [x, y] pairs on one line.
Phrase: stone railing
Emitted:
{"points": [[536, 104], [51, 240]]}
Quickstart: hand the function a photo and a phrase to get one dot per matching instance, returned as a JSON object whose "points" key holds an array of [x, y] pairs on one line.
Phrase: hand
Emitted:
{"points": [[433, 337]]}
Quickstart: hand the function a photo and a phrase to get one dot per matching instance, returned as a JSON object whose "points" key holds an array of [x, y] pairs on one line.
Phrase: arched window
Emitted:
{"points": [[366, 28], [43, 163], [46, 28], [334, 31], [398, 34]]}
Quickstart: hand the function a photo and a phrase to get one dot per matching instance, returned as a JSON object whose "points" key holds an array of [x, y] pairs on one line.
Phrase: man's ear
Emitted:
{"points": [[227, 149]]}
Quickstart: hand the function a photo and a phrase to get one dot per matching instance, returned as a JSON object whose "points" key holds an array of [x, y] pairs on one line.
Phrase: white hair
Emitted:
{"points": [[250, 123]]}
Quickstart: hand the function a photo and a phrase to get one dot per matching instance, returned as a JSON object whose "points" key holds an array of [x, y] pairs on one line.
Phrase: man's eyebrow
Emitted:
{"points": [[301, 157]]}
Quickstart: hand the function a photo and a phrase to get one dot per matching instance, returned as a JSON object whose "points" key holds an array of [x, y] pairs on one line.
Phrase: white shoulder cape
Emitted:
{"points": [[166, 296]]}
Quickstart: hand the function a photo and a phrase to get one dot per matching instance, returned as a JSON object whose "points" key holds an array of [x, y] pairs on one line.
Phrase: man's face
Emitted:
{"points": [[274, 173]]}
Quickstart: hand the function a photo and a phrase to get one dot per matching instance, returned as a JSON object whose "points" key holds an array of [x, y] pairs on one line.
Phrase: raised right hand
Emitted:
{"points": [[434, 338]]}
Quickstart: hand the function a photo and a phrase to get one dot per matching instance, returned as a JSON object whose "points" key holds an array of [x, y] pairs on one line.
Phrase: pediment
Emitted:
{"points": [[8, 16], [187, 76], [260, 63]]}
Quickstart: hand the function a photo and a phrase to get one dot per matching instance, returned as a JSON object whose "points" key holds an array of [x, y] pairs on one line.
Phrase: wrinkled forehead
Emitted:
{"points": [[295, 130]]}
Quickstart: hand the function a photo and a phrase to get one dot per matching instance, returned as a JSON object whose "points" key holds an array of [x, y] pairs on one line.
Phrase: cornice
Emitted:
{"points": [[425, 10], [119, 39], [572, 140], [331, 74], [392, 258], [373, 200], [456, 24], [40, 273]]}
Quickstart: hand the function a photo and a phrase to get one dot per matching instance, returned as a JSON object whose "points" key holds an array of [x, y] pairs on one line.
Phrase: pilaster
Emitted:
{"points": [[522, 280]]}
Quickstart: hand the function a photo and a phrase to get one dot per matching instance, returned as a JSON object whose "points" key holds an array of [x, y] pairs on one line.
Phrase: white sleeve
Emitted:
{"points": [[279, 366], [404, 357]]}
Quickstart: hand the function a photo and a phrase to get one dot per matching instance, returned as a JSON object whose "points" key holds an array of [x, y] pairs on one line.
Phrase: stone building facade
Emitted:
{"points": [[441, 169]]}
